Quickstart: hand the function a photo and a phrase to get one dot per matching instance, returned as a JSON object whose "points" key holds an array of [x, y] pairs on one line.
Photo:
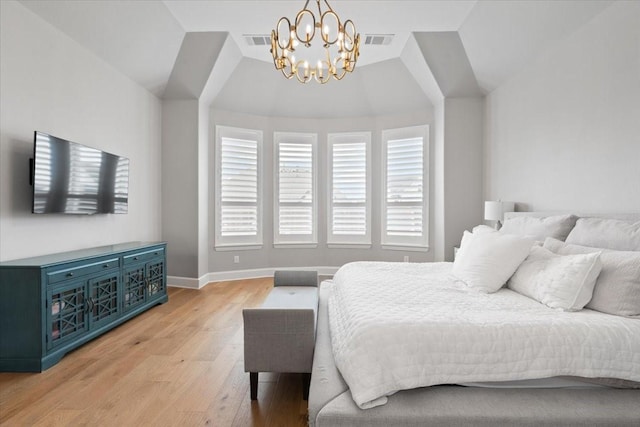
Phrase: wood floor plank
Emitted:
{"points": [[227, 401], [178, 364], [286, 400], [256, 412], [58, 417], [98, 382], [37, 387]]}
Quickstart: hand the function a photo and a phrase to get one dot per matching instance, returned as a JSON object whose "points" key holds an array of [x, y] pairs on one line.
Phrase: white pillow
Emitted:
{"points": [[606, 233], [557, 226], [559, 281], [483, 229], [485, 261], [617, 289]]}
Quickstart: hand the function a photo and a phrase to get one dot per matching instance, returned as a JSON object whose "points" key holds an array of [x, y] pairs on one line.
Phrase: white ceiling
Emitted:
{"points": [[502, 37], [139, 38], [142, 38], [260, 17], [367, 95]]}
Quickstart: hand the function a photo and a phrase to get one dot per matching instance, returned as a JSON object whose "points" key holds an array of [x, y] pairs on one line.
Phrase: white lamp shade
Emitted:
{"points": [[493, 211]]}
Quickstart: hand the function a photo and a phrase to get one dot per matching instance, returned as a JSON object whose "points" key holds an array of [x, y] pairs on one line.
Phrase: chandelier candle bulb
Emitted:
{"points": [[340, 42]]}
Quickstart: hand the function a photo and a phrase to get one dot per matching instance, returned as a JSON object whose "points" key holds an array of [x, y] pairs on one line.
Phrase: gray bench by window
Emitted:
{"points": [[279, 336]]}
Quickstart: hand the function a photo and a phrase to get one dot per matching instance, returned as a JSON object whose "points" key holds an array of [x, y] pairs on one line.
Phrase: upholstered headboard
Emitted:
{"points": [[541, 214]]}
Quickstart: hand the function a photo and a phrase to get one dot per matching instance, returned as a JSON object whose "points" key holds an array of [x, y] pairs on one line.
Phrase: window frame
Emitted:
{"points": [[348, 240], [406, 243], [295, 241], [229, 243]]}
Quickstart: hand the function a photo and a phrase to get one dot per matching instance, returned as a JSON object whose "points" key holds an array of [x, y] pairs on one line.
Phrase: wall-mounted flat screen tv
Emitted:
{"points": [[71, 178]]}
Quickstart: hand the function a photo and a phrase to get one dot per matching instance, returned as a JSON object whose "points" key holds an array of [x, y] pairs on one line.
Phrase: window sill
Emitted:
{"points": [[237, 247], [349, 245], [405, 248], [295, 245]]}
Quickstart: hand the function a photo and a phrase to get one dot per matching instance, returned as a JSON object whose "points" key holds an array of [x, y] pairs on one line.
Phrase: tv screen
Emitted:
{"points": [[71, 178]]}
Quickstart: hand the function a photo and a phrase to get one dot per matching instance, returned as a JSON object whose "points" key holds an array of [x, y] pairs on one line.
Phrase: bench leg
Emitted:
{"points": [[306, 383], [253, 379]]}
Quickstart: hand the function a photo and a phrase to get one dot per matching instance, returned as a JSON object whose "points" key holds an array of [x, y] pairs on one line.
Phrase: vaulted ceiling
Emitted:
{"points": [[493, 39]]}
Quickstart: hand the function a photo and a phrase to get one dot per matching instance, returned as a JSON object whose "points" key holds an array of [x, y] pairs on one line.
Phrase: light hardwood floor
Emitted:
{"points": [[178, 364]]}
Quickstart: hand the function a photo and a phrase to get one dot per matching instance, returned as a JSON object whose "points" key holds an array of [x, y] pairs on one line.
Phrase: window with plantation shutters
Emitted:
{"points": [[404, 214], [349, 202], [238, 187], [295, 189]]}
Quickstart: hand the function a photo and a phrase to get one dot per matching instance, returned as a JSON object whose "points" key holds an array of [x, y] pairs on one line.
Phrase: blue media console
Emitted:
{"points": [[51, 304]]}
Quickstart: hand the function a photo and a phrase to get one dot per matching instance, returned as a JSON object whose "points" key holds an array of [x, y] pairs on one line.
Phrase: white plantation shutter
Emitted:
{"points": [[295, 168], [349, 189], [238, 188], [404, 213], [295, 188], [404, 187]]}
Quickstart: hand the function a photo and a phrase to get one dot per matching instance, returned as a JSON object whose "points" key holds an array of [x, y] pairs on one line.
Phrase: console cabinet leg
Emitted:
{"points": [[253, 379]]}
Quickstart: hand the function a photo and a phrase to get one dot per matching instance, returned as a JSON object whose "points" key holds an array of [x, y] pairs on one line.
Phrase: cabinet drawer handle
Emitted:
{"points": [[105, 266], [135, 258], [69, 274], [155, 253]]}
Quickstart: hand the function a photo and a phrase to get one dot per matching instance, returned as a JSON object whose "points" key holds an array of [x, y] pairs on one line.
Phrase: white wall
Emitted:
{"points": [[565, 133], [180, 227], [463, 205], [50, 83], [204, 134]]}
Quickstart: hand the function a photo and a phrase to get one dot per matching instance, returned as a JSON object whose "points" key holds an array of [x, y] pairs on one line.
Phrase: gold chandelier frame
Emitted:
{"points": [[286, 37]]}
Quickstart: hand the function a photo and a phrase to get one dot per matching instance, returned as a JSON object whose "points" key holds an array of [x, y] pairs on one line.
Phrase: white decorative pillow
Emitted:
{"points": [[558, 226], [483, 229], [617, 289], [559, 281], [606, 233], [485, 261]]}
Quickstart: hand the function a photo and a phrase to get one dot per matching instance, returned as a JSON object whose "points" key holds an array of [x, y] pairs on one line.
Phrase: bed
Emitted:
{"points": [[556, 366]]}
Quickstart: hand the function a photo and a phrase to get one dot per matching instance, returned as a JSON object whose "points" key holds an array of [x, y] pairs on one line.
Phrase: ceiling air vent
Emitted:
{"points": [[257, 39], [378, 39]]}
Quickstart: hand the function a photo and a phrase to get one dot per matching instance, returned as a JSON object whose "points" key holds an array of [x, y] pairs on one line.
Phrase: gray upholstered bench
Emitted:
{"points": [[280, 335]]}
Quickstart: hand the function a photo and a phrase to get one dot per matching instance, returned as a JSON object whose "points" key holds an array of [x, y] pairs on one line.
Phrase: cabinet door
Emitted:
{"points": [[67, 312], [103, 298], [156, 285], [134, 287]]}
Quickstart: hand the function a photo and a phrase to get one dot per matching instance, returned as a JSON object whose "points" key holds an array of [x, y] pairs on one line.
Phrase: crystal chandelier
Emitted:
{"points": [[334, 55]]}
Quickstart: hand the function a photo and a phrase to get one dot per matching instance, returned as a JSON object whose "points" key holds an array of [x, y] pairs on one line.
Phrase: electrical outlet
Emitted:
{"points": [[406, 258], [236, 259]]}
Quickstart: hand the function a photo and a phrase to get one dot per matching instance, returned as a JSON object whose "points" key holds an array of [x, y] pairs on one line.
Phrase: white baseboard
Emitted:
{"points": [[220, 276], [188, 282]]}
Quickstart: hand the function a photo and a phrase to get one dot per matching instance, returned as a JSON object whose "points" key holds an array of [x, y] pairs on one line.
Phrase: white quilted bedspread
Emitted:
{"points": [[397, 326]]}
